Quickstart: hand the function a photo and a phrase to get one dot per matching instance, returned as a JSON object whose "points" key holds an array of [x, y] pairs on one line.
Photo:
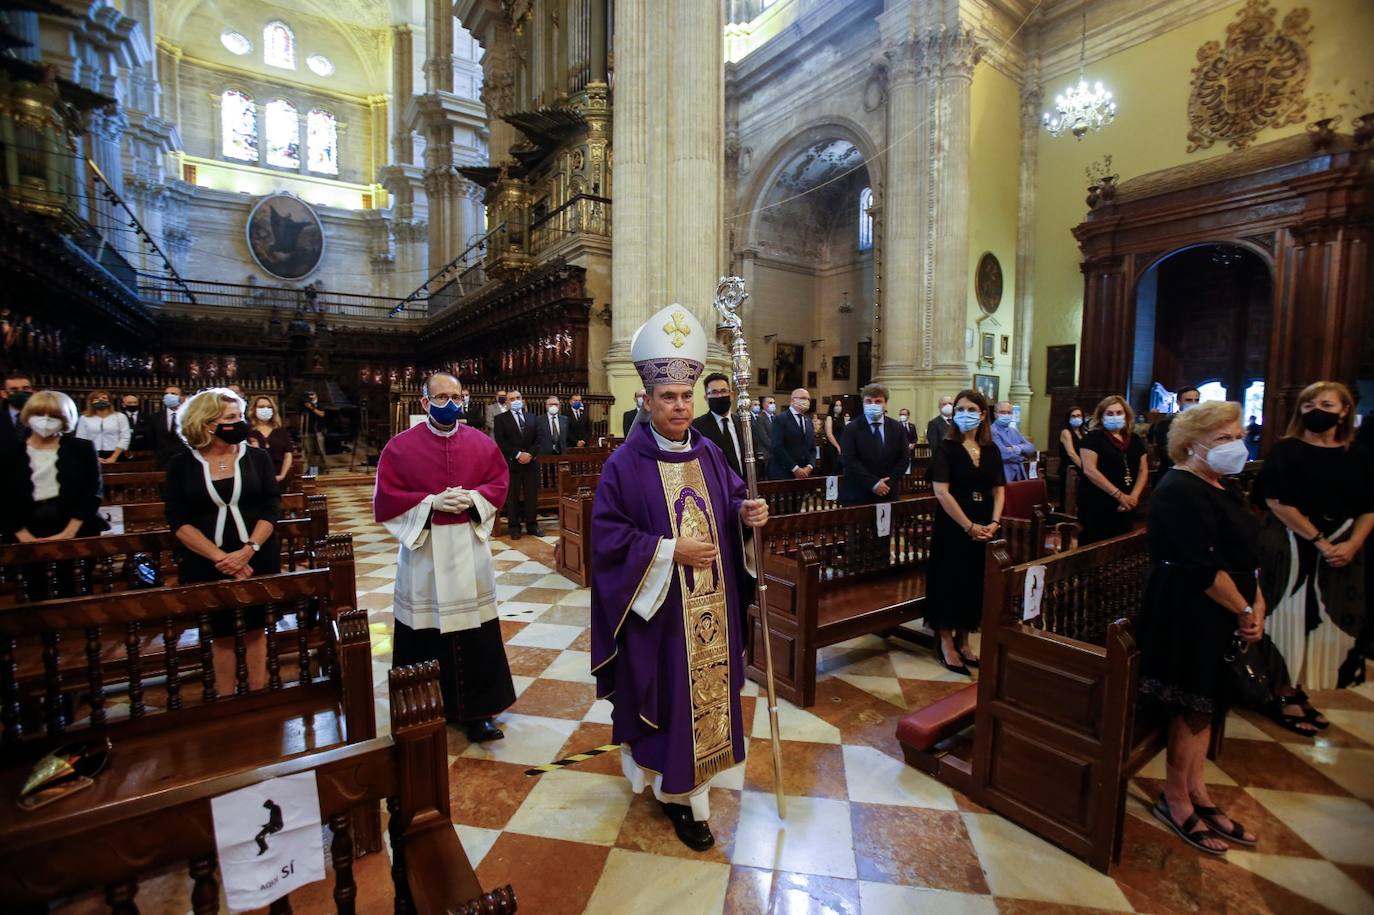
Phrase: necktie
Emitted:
{"points": [[878, 431], [800, 424], [519, 426], [171, 420], [553, 431]]}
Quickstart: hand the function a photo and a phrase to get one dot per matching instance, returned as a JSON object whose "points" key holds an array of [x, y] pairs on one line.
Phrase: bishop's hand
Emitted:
{"points": [[754, 512], [697, 554]]}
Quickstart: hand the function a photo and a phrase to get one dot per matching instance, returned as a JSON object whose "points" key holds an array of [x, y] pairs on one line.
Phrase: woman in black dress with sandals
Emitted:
{"points": [[1115, 473], [966, 470], [1202, 593]]}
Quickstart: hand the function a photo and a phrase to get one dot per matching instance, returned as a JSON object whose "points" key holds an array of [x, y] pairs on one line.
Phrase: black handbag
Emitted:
{"points": [[1247, 672]]}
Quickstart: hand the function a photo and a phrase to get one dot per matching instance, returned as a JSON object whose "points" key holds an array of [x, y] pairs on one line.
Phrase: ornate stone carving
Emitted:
{"points": [[1256, 80]]}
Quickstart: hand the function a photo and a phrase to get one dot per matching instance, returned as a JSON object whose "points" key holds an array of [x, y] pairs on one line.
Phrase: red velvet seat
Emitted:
{"points": [[1022, 496], [926, 727]]}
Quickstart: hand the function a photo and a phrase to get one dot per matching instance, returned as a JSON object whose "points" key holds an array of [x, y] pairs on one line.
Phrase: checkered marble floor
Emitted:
{"points": [[864, 832]]}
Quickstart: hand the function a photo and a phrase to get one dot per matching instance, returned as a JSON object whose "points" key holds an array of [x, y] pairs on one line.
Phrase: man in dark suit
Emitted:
{"points": [[873, 453], [166, 427], [634, 417], [938, 427], [579, 422], [908, 429], [793, 441], [18, 389], [720, 425], [551, 432], [467, 413], [140, 425], [765, 417], [515, 434]]}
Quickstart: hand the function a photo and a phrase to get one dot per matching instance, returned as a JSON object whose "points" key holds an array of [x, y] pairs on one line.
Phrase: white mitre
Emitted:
{"points": [[670, 348]]}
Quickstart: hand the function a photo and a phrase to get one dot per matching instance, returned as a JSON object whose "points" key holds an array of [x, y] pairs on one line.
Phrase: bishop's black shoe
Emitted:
{"points": [[482, 730], [694, 833]]}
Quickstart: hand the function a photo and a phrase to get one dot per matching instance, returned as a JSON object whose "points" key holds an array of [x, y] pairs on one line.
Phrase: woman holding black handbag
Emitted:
{"points": [[1202, 597]]}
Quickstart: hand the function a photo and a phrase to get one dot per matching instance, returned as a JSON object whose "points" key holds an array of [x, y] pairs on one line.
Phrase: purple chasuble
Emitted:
{"points": [[675, 679]]}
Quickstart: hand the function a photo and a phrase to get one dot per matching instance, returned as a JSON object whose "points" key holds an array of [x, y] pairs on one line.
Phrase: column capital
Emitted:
{"points": [[954, 52], [903, 59]]}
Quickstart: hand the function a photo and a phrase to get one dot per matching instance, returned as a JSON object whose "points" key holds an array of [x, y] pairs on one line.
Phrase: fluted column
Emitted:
{"points": [[1021, 390], [402, 88], [668, 139], [439, 45], [905, 217]]}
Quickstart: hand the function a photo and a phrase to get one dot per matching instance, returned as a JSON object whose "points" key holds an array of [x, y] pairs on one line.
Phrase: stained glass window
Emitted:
{"points": [[322, 142], [239, 125], [279, 46], [1212, 390], [235, 42], [865, 220], [283, 134]]}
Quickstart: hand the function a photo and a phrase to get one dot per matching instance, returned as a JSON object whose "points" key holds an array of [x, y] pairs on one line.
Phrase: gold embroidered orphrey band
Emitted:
{"points": [[705, 612]]}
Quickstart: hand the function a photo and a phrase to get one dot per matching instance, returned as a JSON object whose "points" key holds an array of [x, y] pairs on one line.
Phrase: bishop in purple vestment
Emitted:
{"points": [[667, 533]]}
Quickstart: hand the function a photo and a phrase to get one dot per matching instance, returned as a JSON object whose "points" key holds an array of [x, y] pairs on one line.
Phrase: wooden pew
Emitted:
{"points": [[581, 461], [831, 578], [122, 488], [140, 517], [133, 829]]}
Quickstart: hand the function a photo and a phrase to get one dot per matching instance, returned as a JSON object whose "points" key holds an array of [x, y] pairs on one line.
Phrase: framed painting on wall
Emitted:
{"points": [[839, 369], [1059, 366], [787, 366], [811, 380], [988, 385], [763, 378]]}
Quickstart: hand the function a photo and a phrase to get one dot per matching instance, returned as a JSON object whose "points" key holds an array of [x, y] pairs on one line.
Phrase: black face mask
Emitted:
{"points": [[19, 398], [719, 405], [232, 433], [1319, 421]]}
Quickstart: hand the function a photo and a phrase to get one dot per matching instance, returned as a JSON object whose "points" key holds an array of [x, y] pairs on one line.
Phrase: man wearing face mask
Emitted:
{"points": [[721, 425], [579, 422], [1159, 433], [551, 432], [440, 486], [938, 428], [517, 436], [494, 410], [466, 415], [18, 389], [765, 413], [140, 425], [1014, 447], [634, 417], [166, 427], [312, 432], [873, 453], [908, 430], [794, 444]]}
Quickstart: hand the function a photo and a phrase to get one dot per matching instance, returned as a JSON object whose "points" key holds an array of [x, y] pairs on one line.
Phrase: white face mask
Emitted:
{"points": [[947, 410], [1229, 458], [171, 401], [553, 411], [45, 426], [263, 413], [639, 402]]}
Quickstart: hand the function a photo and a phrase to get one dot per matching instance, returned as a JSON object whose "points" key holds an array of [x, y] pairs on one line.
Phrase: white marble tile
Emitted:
{"points": [[521, 683], [574, 806], [530, 740], [529, 565], [732, 779], [546, 635], [887, 899], [1340, 828], [637, 882], [1241, 728], [1361, 724], [1320, 881], [816, 838], [476, 841], [555, 581], [921, 666], [519, 610], [1019, 864], [600, 712], [1352, 769], [1211, 773], [581, 597], [876, 778], [887, 689], [507, 593], [794, 724], [574, 666]]}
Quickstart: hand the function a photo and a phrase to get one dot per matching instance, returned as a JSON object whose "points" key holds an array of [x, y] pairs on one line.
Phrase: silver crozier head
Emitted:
{"points": [[730, 297]]}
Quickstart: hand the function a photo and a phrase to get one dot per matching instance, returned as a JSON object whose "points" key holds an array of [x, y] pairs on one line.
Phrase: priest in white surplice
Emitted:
{"points": [[440, 485]]}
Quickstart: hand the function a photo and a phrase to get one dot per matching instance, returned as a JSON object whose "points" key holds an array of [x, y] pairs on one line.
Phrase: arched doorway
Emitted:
{"points": [[1203, 318], [811, 290]]}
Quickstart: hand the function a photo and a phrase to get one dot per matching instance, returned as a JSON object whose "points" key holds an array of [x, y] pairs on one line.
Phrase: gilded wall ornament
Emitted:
{"points": [[1255, 81]]}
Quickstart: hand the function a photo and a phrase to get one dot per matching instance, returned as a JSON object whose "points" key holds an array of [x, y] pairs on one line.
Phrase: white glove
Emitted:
{"points": [[453, 500]]}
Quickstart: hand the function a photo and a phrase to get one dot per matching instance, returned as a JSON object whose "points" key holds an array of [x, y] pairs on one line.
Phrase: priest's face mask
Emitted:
{"points": [[670, 409], [441, 392]]}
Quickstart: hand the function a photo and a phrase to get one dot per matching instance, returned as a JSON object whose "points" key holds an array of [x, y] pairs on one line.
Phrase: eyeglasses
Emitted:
{"points": [[440, 400]]}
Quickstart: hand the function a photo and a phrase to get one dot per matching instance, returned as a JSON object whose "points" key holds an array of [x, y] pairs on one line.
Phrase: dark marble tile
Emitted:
{"points": [[914, 846], [809, 769], [753, 891], [1364, 876], [562, 616], [556, 699], [583, 642], [550, 876], [1275, 838], [647, 829], [1008, 906], [509, 628], [1265, 764], [588, 736], [529, 662], [861, 717], [486, 793]]}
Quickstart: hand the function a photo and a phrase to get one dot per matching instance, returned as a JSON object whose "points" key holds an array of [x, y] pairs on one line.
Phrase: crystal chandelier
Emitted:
{"points": [[1081, 108]]}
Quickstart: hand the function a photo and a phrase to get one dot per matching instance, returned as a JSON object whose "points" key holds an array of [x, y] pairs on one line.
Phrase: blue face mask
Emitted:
{"points": [[518, 406], [967, 420], [873, 412], [445, 415], [1003, 421], [1076, 421], [1113, 423]]}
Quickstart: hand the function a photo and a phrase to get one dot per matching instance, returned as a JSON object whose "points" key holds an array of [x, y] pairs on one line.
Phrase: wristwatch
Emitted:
{"points": [[1248, 611], [254, 546]]}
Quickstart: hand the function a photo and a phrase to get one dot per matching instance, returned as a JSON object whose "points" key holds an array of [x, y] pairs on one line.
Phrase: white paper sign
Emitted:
{"points": [[1033, 470], [269, 840], [114, 517], [1035, 589], [832, 489], [884, 518]]}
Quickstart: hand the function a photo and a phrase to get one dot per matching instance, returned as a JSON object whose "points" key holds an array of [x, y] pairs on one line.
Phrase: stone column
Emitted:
{"points": [[597, 42], [439, 45], [668, 138], [1021, 391], [905, 217], [402, 88]]}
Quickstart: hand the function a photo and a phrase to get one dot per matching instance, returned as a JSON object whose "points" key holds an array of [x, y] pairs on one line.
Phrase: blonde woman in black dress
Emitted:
{"points": [[966, 470]]}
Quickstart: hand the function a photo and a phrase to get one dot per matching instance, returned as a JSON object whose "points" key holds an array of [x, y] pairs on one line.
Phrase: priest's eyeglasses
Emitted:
{"points": [[441, 400]]}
